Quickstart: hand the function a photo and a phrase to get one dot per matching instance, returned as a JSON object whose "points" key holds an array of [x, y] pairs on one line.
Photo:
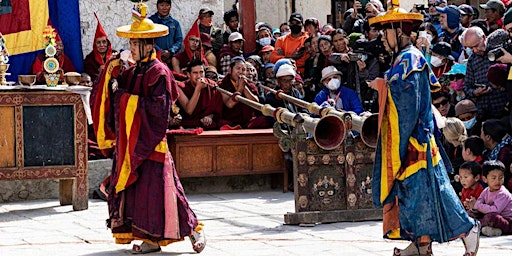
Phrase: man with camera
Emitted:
{"points": [[504, 55], [476, 86]]}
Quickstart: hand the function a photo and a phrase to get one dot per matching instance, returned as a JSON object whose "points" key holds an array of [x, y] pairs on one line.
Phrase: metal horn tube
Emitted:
{"points": [[366, 126], [328, 132]]}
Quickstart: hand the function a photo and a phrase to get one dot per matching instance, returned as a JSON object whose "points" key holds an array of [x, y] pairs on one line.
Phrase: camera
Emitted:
{"points": [[420, 7], [355, 56], [497, 53], [360, 50]]}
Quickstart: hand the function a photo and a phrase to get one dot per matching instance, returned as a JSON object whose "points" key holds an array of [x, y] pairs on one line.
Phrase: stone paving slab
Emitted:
{"points": [[235, 224]]}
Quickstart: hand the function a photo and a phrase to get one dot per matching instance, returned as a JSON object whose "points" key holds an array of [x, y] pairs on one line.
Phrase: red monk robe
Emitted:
{"points": [[101, 52], [209, 103], [146, 199], [65, 62]]}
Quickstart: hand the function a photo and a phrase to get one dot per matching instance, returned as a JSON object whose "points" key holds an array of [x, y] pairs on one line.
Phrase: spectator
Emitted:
{"points": [[237, 115], [231, 21], [441, 59], [312, 27], [284, 28], [201, 105], [456, 76], [466, 15], [172, 42], [441, 100], [292, 45], [335, 95], [65, 63], [466, 111], [101, 52], [206, 26], [206, 44], [211, 73], [192, 50], [263, 38], [451, 29], [470, 174], [494, 10], [276, 33], [476, 85], [498, 144], [472, 149], [494, 206], [233, 49], [434, 14], [85, 80], [454, 135], [265, 53]]}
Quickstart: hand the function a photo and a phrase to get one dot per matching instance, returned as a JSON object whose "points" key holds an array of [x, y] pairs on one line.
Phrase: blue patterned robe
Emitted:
{"points": [[410, 176]]}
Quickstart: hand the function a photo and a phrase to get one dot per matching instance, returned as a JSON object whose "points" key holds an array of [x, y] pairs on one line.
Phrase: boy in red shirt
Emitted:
{"points": [[470, 173]]}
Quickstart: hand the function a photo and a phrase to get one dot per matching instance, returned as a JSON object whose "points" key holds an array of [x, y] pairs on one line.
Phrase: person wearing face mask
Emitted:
{"points": [[335, 95], [441, 59], [456, 77], [292, 45], [263, 37], [467, 112]]}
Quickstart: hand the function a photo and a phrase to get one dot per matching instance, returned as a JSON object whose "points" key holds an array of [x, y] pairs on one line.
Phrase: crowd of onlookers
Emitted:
{"points": [[470, 56]]}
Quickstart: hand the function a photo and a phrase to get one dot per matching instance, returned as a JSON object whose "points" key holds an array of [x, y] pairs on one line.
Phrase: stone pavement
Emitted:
{"points": [[235, 224]]}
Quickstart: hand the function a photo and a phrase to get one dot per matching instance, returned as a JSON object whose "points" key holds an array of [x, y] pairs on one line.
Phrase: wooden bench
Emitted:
{"points": [[224, 153]]}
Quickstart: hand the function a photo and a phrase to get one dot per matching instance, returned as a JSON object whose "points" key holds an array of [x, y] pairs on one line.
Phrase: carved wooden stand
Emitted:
{"points": [[19, 161], [329, 186]]}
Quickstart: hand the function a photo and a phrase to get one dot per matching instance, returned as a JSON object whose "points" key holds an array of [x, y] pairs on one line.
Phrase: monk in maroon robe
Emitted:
{"points": [[237, 115], [146, 200], [193, 49], [201, 105], [101, 52], [65, 62]]}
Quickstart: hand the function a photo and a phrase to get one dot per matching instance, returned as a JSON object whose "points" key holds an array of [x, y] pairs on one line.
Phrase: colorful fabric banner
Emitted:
{"points": [[23, 22]]}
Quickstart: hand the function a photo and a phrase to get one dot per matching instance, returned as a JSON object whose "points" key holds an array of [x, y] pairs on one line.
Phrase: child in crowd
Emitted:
{"points": [[494, 206], [472, 149], [469, 173]]}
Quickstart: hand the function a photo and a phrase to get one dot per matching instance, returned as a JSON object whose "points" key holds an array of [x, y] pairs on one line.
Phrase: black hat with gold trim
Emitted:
{"points": [[142, 27], [395, 14]]}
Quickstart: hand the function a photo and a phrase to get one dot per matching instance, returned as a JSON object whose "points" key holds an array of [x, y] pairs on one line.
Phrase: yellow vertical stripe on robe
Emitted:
{"points": [[390, 143], [124, 174], [103, 142]]}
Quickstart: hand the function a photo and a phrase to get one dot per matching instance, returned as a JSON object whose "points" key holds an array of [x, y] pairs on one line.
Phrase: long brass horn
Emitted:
{"points": [[366, 126], [328, 132]]}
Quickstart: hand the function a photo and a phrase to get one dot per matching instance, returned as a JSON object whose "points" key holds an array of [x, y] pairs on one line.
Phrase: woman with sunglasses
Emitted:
{"points": [[441, 100]]}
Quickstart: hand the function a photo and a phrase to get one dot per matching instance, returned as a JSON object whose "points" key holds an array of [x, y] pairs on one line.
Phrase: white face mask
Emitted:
{"points": [[334, 84], [265, 41], [469, 123], [436, 61]]}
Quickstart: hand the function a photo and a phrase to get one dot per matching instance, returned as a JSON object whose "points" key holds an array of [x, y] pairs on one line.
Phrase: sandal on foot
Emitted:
{"points": [[198, 238], [472, 240], [145, 248], [411, 250]]}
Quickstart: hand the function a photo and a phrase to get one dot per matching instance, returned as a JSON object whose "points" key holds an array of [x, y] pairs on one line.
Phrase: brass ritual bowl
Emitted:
{"points": [[4, 67], [72, 78], [27, 79]]}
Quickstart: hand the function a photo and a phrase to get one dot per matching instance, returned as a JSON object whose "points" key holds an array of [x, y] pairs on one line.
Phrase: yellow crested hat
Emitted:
{"points": [[395, 14], [142, 27]]}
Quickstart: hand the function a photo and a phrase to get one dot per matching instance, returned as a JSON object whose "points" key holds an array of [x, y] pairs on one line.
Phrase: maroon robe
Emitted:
{"points": [[241, 114], [138, 208], [210, 102], [65, 64]]}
